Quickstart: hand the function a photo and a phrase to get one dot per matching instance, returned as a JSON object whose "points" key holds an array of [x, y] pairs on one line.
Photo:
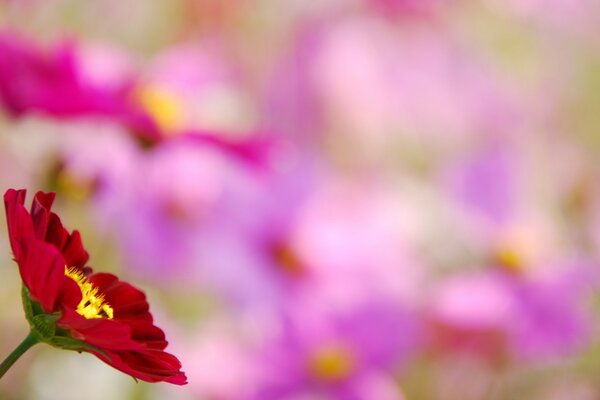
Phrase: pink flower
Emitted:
{"points": [[499, 316], [52, 82], [339, 353]]}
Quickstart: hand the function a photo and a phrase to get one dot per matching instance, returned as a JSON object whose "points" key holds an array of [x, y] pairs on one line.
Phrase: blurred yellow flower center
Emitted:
{"points": [[92, 304], [509, 258], [163, 106], [78, 189], [331, 363]]}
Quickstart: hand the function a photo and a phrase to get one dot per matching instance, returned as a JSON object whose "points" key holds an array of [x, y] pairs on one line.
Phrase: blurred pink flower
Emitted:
{"points": [[52, 82], [178, 195], [411, 84], [529, 303], [218, 345], [501, 209], [407, 8], [193, 86], [195, 92], [500, 316], [349, 354], [253, 258], [355, 236], [173, 101]]}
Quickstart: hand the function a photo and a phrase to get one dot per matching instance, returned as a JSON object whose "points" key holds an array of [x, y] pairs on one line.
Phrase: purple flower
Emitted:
{"points": [[499, 315], [337, 353]]}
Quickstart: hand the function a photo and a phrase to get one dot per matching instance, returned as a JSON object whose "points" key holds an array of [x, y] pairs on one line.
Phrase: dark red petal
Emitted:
{"points": [[70, 296], [149, 366], [43, 224], [127, 301], [56, 233], [74, 253], [42, 268], [69, 244], [18, 219], [40, 213], [147, 333], [103, 281], [103, 333], [42, 200]]}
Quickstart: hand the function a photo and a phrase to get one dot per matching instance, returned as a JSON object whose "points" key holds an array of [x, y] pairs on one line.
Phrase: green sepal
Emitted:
{"points": [[27, 304], [68, 343], [44, 325], [31, 307]]}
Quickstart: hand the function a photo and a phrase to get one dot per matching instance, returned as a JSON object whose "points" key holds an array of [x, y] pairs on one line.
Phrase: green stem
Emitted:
{"points": [[29, 341]]}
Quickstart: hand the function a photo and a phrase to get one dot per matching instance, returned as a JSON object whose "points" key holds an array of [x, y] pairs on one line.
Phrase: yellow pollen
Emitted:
{"points": [[92, 304], [164, 106], [331, 363]]}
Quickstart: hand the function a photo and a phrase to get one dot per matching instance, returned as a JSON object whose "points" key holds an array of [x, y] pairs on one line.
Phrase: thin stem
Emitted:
{"points": [[29, 341]]}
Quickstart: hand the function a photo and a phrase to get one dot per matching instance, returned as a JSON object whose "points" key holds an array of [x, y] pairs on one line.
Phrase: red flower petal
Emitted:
{"points": [[70, 296], [127, 301], [55, 232], [103, 333], [40, 213], [130, 307], [149, 366], [43, 271], [49, 227], [144, 332], [73, 251], [18, 220]]}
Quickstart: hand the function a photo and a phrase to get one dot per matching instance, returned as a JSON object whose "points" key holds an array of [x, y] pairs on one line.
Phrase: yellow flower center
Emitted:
{"points": [[509, 258], [164, 106], [78, 188], [92, 304], [331, 363]]}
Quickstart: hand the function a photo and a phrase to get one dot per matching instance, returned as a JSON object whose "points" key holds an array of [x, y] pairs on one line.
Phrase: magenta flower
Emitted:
{"points": [[52, 82], [56, 83]]}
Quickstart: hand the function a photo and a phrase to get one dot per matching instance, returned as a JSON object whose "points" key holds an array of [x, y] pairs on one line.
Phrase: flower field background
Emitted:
{"points": [[354, 200]]}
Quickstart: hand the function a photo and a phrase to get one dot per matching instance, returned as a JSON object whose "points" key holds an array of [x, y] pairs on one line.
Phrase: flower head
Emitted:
{"points": [[337, 352], [69, 306], [53, 83]]}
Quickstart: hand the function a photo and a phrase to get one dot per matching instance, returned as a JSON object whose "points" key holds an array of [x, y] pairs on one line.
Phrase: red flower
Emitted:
{"points": [[69, 306]]}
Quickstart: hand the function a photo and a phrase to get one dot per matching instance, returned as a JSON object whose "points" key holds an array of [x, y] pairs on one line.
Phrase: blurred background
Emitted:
{"points": [[341, 199]]}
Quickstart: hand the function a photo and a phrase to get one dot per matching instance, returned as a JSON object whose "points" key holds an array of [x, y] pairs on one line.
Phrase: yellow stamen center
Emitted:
{"points": [[509, 258], [77, 187], [331, 363], [164, 106], [92, 304]]}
